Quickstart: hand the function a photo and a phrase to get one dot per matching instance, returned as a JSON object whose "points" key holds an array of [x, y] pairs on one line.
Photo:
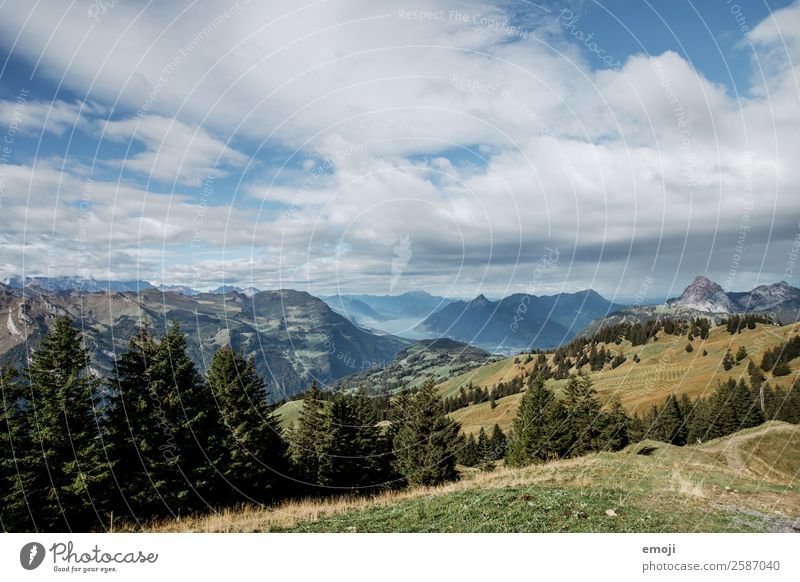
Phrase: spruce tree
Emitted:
{"points": [[139, 434], [306, 436], [615, 432], [425, 440], [584, 418], [350, 449], [253, 452], [670, 425], [71, 480], [20, 470], [498, 443], [538, 432], [745, 406]]}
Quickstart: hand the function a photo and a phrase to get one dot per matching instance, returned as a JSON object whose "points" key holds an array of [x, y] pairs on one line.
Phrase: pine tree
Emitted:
{"points": [[741, 353], [538, 432], [584, 419], [425, 440], [140, 438], [306, 436], [67, 493], [350, 450], [20, 471], [498, 443], [670, 425], [615, 432], [253, 452]]}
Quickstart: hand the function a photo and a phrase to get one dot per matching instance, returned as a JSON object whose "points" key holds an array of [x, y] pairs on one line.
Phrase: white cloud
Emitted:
{"points": [[173, 151], [648, 163]]}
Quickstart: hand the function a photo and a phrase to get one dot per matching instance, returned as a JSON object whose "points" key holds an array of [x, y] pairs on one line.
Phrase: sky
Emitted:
{"points": [[380, 147]]}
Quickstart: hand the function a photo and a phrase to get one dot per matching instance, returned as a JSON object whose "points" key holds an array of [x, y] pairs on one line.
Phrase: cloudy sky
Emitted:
{"points": [[456, 147]]}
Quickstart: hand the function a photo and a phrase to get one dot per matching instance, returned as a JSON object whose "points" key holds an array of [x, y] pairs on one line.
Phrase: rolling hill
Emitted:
{"points": [[664, 367]]}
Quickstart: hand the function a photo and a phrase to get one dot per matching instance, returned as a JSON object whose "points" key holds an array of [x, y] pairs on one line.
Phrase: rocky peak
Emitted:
{"points": [[703, 294]]}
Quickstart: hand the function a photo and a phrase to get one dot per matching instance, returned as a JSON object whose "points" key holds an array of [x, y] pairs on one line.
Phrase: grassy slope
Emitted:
{"points": [[665, 367], [649, 486]]}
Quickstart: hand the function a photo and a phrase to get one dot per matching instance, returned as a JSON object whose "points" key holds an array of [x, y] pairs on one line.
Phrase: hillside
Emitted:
{"points": [[745, 482], [519, 322], [664, 367], [292, 335], [437, 359]]}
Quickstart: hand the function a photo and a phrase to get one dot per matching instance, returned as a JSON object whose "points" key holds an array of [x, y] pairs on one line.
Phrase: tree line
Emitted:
{"points": [[159, 439]]}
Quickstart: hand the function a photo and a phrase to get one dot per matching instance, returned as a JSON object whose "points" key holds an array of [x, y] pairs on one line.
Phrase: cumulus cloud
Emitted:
{"points": [[485, 144]]}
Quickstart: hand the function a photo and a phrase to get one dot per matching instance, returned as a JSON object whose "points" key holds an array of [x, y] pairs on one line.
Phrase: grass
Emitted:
{"points": [[536, 509], [665, 368], [649, 486]]}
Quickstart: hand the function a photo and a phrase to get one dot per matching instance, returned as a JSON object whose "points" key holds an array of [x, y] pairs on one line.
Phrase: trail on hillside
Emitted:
{"points": [[731, 448]]}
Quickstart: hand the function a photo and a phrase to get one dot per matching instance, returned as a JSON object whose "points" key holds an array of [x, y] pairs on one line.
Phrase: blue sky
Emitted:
{"points": [[448, 146]]}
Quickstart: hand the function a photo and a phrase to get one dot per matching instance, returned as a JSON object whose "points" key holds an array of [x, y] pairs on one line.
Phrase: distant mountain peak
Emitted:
{"points": [[703, 294], [480, 301]]}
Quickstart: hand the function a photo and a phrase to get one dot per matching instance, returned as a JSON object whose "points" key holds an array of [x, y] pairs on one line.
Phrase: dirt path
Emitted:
{"points": [[732, 447]]}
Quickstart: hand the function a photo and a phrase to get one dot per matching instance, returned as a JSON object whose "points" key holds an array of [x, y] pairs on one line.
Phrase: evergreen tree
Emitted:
{"points": [[165, 429], [615, 432], [425, 440], [745, 406], [350, 449], [20, 471], [670, 426], [538, 432], [306, 436], [584, 418], [498, 443], [253, 452], [139, 434], [70, 474]]}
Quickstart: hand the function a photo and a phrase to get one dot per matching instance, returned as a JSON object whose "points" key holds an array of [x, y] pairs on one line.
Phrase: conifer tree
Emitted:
{"points": [[20, 472], [584, 418], [498, 443], [745, 406], [71, 480], [539, 431], [141, 439], [670, 425], [615, 432], [350, 449], [425, 440], [200, 433], [253, 451], [306, 437]]}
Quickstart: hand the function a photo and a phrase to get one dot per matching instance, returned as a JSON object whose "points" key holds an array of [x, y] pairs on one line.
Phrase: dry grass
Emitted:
{"points": [[700, 475], [665, 368]]}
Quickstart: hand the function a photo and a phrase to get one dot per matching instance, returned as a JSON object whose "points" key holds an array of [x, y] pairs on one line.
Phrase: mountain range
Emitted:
{"points": [[418, 304], [92, 285], [519, 321], [705, 298], [293, 336]]}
